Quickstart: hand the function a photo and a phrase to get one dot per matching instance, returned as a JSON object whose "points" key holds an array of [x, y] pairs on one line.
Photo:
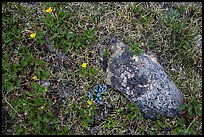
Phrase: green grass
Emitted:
{"points": [[76, 29]]}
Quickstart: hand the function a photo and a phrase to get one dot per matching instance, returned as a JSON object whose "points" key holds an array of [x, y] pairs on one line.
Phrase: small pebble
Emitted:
{"points": [[45, 84]]}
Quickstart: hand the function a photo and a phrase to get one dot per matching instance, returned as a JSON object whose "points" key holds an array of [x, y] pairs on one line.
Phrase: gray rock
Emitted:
{"points": [[143, 81]]}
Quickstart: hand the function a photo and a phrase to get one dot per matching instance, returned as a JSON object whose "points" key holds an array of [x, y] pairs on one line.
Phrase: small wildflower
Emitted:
{"points": [[100, 90], [89, 102], [49, 10], [34, 78], [89, 94], [42, 107], [25, 113], [97, 99], [33, 35], [83, 65], [97, 95]]}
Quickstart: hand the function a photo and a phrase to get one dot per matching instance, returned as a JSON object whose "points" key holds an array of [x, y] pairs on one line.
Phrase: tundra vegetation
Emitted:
{"points": [[169, 30]]}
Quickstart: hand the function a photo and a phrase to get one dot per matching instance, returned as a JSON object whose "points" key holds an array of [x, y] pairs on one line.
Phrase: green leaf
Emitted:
{"points": [[40, 90], [107, 125], [198, 109], [19, 131], [26, 108], [35, 85], [45, 74], [50, 114], [182, 122], [70, 35], [144, 19], [5, 64], [23, 62], [9, 86], [137, 9], [176, 131], [49, 102], [12, 114], [91, 112], [90, 33], [182, 107], [36, 123], [39, 101], [130, 116], [18, 82], [12, 76], [54, 120], [139, 116], [106, 52], [78, 43], [190, 113], [39, 36], [67, 43], [90, 41], [85, 123], [38, 73], [45, 119], [43, 19]]}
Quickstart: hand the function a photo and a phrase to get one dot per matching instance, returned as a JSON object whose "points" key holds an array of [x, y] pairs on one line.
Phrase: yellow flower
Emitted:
{"points": [[33, 35], [89, 102], [35, 78], [49, 10], [83, 65], [42, 107]]}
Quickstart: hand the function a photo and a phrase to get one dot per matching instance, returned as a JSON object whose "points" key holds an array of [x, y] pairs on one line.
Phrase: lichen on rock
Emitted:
{"points": [[143, 80]]}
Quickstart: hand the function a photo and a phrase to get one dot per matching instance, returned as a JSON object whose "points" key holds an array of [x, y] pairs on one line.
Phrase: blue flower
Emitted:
{"points": [[100, 90], [97, 100], [105, 87], [95, 90], [98, 95], [89, 94], [96, 86]]}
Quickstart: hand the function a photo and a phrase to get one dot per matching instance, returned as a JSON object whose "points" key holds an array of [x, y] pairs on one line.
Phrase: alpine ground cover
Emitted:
{"points": [[50, 63]]}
